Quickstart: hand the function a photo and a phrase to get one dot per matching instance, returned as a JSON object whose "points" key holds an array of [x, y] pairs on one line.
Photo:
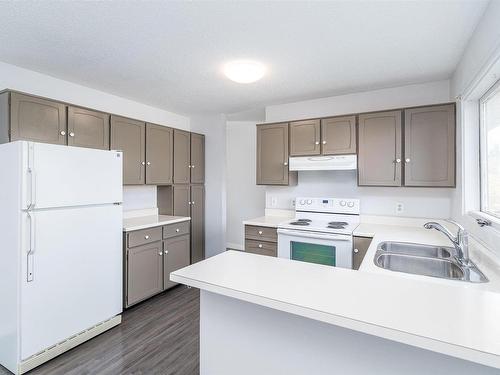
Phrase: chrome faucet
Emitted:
{"points": [[460, 241]]}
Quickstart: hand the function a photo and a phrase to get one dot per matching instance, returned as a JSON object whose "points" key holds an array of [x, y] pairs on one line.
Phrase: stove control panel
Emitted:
{"points": [[328, 205]]}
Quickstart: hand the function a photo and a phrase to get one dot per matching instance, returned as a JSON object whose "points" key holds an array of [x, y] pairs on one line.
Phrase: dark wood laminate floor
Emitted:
{"points": [[159, 336]]}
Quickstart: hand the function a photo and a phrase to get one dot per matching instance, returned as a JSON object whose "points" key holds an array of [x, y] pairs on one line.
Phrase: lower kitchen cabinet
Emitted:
{"points": [[176, 255], [151, 254], [359, 249], [261, 240], [143, 272]]}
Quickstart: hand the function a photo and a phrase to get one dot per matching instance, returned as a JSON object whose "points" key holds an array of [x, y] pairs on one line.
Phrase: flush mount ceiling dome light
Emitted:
{"points": [[244, 71]]}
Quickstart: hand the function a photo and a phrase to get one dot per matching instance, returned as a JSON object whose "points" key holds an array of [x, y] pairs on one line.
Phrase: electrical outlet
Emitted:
{"points": [[274, 202], [400, 208]]}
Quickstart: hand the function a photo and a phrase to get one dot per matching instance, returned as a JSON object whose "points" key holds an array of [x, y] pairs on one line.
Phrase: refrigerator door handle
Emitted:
{"points": [[31, 251], [31, 171], [32, 189]]}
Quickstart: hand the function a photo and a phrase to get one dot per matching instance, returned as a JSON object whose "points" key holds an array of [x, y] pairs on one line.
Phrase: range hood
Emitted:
{"points": [[323, 163]]}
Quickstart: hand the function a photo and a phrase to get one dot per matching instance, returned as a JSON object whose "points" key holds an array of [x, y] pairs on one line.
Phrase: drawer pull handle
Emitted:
{"points": [[177, 230], [260, 232], [260, 246], [146, 237]]}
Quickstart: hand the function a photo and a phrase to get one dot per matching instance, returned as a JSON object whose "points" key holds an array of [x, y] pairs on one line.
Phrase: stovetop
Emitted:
{"points": [[325, 215], [331, 224]]}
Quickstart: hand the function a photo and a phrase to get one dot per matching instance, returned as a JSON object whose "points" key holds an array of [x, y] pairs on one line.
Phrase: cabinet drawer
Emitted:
{"points": [[176, 229], [261, 248], [144, 236], [261, 233]]}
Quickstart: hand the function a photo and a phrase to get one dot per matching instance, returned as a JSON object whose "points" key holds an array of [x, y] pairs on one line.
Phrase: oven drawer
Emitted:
{"points": [[261, 247], [261, 233]]}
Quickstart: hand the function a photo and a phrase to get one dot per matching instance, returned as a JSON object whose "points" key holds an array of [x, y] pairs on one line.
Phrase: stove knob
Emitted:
{"points": [[350, 204], [342, 203], [309, 201], [302, 202]]}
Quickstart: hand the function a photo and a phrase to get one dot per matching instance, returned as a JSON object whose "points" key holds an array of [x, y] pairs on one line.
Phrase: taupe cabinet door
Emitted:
{"points": [[360, 247], [182, 157], [197, 158], [182, 200], [129, 136], [88, 128], [272, 154], [379, 149], [430, 146], [305, 138], [144, 272], [159, 154], [338, 135], [176, 255], [197, 223], [39, 120]]}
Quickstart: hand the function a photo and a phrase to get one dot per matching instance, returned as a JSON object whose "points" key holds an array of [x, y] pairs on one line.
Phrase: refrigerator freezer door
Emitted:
{"points": [[64, 176], [77, 274]]}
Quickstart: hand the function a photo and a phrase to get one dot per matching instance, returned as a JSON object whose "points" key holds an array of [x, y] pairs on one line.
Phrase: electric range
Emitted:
{"points": [[320, 232]]}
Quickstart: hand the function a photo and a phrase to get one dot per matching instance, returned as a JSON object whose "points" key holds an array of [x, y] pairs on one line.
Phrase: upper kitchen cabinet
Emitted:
{"points": [[338, 135], [36, 119], [305, 138], [379, 149], [429, 146], [128, 136], [159, 154], [88, 128], [272, 155], [197, 158], [182, 157]]}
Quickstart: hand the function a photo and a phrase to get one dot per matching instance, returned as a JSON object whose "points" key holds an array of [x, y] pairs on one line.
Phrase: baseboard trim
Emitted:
{"points": [[235, 246]]}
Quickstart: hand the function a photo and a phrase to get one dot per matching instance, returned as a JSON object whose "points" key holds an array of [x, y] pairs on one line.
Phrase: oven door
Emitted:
{"points": [[313, 247]]}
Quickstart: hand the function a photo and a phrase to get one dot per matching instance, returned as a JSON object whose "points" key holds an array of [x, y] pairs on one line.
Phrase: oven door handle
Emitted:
{"points": [[319, 236]]}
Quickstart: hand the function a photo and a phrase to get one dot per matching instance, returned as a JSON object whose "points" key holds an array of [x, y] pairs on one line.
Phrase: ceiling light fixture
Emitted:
{"points": [[244, 71]]}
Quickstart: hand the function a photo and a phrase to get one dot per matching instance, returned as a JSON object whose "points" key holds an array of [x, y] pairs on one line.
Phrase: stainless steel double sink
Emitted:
{"points": [[426, 260]]}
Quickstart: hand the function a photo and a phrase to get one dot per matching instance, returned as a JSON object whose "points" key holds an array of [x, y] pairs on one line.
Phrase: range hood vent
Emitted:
{"points": [[323, 163]]}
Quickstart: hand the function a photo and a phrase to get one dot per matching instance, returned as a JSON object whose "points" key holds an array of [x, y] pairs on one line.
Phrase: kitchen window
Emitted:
{"points": [[490, 151]]}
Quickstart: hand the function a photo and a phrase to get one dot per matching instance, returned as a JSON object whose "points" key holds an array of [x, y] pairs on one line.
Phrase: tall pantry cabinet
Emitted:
{"points": [[188, 191]]}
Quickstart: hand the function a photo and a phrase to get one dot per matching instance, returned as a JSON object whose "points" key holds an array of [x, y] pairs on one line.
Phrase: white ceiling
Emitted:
{"points": [[169, 54]]}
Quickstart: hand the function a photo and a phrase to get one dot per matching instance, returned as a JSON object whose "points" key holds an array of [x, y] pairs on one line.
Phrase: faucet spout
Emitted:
{"points": [[460, 241]]}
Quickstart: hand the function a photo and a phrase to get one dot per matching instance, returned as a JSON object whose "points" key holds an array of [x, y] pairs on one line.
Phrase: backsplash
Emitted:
{"points": [[138, 197], [389, 201]]}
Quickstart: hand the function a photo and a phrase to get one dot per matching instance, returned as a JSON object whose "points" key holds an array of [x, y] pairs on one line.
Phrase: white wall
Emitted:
{"points": [[397, 97], [478, 70], [244, 198], [417, 202], [214, 128], [20, 79]]}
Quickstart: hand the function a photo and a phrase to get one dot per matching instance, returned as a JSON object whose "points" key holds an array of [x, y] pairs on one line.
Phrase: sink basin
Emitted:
{"points": [[416, 265], [425, 260], [416, 249]]}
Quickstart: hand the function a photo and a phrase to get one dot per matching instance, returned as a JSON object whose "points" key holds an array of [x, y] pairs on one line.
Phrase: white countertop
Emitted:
{"points": [[451, 317], [142, 222], [267, 221]]}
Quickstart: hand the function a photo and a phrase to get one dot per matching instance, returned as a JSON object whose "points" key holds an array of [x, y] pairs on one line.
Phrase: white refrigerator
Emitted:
{"points": [[60, 250]]}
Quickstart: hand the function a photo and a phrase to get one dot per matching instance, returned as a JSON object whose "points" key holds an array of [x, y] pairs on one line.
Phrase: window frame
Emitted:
{"points": [[483, 162]]}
